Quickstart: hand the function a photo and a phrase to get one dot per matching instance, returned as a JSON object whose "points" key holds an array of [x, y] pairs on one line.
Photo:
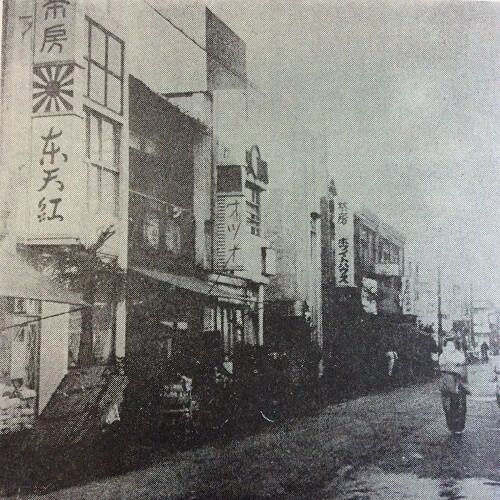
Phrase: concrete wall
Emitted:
{"points": [[15, 112], [17, 136], [298, 180]]}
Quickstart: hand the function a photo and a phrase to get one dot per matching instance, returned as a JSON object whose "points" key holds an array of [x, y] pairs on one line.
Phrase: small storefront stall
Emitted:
{"points": [[33, 326]]}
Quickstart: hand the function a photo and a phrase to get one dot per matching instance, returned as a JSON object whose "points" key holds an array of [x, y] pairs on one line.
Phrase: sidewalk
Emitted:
{"points": [[302, 454]]}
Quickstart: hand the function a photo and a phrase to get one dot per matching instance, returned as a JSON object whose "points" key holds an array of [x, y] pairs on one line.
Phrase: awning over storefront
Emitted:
{"points": [[18, 279], [218, 291]]}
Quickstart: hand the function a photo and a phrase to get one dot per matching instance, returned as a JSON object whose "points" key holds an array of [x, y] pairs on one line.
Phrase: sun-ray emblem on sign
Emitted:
{"points": [[53, 88]]}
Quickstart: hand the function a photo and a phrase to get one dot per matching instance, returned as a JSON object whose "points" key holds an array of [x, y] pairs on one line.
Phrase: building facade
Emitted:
{"points": [[294, 229], [64, 159], [137, 131], [378, 262]]}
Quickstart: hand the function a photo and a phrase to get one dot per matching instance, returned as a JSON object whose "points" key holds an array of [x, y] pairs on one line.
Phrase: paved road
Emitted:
{"points": [[430, 463], [393, 445]]}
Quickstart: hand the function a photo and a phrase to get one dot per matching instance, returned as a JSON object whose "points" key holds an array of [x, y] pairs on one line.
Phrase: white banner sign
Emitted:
{"points": [[407, 303], [231, 231], [344, 244], [58, 181], [54, 31]]}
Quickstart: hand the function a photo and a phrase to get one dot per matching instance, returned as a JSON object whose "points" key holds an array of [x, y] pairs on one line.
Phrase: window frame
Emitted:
{"points": [[253, 209], [108, 73], [98, 163]]}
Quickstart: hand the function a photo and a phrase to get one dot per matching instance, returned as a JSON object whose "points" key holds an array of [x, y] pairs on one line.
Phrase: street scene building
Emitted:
{"points": [[199, 242]]}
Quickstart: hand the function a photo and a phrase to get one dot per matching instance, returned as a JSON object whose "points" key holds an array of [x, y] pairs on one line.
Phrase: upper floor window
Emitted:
{"points": [[105, 67], [152, 229], [253, 210], [103, 153], [173, 235]]}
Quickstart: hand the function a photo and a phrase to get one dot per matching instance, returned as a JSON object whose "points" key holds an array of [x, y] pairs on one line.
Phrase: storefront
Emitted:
{"points": [[180, 310], [34, 319]]}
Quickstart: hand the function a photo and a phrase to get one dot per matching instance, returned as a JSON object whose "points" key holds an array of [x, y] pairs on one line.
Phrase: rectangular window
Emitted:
{"points": [[172, 236], [152, 230], [105, 67], [253, 210], [103, 154]]}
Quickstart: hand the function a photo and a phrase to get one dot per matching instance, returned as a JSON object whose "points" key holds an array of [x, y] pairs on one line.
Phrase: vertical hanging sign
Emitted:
{"points": [[54, 31], [344, 244], [234, 216], [54, 179], [407, 295], [231, 227]]}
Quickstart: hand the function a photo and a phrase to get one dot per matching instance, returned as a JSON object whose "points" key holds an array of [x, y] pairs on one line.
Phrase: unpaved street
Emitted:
{"points": [[393, 445]]}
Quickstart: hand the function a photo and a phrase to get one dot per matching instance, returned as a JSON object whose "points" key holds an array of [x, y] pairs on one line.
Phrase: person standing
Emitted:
{"points": [[391, 357], [484, 352], [453, 369]]}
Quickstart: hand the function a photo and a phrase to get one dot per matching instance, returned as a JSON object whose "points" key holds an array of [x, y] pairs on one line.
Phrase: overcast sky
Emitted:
{"points": [[407, 95]]}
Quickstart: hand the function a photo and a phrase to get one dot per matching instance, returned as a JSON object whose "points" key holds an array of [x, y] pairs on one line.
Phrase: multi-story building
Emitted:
{"points": [[483, 309], [64, 161], [379, 260], [87, 97], [363, 264], [294, 294], [207, 168]]}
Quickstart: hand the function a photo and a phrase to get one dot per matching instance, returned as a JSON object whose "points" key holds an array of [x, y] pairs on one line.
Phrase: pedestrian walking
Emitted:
{"points": [[454, 389], [392, 357]]}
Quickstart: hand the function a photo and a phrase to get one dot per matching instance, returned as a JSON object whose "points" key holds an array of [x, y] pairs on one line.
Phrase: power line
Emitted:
{"points": [[238, 75]]}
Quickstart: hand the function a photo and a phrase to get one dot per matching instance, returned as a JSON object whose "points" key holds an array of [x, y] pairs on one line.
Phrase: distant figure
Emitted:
{"points": [[484, 352], [452, 366], [392, 357]]}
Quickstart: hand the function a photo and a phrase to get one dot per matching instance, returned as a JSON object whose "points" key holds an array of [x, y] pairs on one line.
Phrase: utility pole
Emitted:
{"points": [[471, 326], [440, 316]]}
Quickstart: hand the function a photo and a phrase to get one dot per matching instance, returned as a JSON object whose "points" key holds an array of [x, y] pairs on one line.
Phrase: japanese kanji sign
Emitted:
{"points": [[407, 295], [230, 232], [55, 184], [344, 242], [57, 176], [54, 31], [234, 218]]}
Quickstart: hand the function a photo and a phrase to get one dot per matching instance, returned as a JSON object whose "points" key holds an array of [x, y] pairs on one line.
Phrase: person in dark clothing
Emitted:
{"points": [[484, 352]]}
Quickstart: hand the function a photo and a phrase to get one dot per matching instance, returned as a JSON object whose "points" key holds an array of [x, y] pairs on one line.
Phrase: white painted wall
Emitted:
{"points": [[53, 349]]}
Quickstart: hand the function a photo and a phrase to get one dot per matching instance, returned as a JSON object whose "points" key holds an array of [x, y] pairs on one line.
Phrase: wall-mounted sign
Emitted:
{"points": [[152, 229], [54, 31], [57, 179], [344, 244], [53, 88], [231, 215], [407, 303]]}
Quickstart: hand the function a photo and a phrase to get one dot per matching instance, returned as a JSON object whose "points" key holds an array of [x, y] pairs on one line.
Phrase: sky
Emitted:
{"points": [[407, 95]]}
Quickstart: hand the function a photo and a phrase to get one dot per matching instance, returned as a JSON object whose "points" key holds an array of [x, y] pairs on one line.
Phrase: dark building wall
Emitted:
{"points": [[373, 249], [162, 170], [226, 55]]}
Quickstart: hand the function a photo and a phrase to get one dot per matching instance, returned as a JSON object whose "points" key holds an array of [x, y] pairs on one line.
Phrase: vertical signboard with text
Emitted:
{"points": [[344, 244], [231, 227], [55, 185], [407, 303]]}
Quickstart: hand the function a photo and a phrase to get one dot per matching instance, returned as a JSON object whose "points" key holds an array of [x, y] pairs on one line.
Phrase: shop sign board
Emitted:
{"points": [[57, 180], [54, 31], [344, 244], [57, 185], [231, 222], [407, 296]]}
